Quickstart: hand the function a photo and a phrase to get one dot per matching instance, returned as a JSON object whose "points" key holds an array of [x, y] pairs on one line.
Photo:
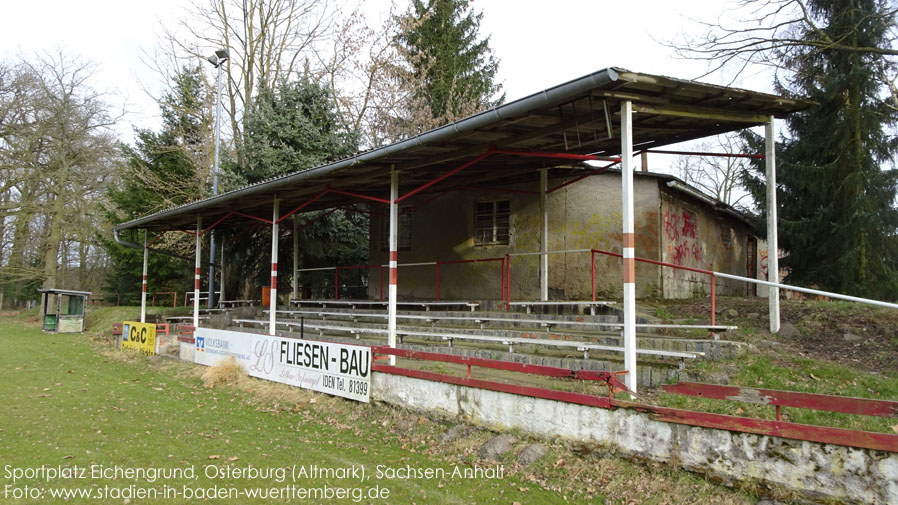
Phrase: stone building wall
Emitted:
{"points": [[670, 226]]}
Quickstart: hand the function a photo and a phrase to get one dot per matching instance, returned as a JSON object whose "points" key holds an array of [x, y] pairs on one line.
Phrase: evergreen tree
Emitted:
{"points": [[292, 127], [452, 70], [837, 212], [160, 171]]}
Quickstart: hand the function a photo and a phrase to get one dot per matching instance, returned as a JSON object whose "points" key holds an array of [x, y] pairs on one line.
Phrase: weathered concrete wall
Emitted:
{"points": [[696, 235], [670, 226], [811, 469], [584, 215]]}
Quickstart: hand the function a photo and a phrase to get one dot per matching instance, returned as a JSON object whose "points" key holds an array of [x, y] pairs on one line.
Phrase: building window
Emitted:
{"points": [[491, 223], [405, 230]]}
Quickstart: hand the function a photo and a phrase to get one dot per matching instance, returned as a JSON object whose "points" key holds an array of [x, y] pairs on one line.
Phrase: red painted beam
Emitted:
{"points": [[829, 403], [511, 366], [361, 196], [796, 431], [540, 154], [548, 394], [306, 203], [598, 171], [444, 176], [250, 216], [157, 238], [216, 223]]}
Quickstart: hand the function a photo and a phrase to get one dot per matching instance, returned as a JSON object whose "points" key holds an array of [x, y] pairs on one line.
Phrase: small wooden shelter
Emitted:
{"points": [[64, 310]]}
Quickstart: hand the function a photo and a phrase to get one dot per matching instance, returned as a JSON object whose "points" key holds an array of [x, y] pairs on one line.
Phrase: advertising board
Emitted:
{"points": [[139, 337], [337, 369], [212, 346]]}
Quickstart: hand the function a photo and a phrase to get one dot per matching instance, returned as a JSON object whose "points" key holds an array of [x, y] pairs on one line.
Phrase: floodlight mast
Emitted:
{"points": [[217, 60]]}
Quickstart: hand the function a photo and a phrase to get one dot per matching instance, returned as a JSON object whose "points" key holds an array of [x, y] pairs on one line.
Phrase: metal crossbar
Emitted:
{"points": [[544, 322], [509, 341]]}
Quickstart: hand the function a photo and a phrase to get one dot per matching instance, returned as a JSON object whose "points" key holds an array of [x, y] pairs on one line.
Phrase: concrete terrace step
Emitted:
{"points": [[499, 321], [580, 343], [651, 372], [560, 307], [707, 348]]}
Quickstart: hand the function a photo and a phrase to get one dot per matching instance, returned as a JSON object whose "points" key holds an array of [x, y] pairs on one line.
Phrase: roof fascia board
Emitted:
{"points": [[695, 112]]}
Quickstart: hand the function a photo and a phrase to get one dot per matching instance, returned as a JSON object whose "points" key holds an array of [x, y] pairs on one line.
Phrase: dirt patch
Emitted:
{"points": [[853, 335]]}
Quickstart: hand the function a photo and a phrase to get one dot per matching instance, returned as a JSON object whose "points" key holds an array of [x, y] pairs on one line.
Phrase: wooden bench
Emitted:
{"points": [[584, 347], [591, 304], [359, 303], [428, 305], [185, 333], [547, 323]]}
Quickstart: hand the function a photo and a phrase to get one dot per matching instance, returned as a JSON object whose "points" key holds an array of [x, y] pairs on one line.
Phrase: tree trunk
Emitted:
{"points": [[54, 238]]}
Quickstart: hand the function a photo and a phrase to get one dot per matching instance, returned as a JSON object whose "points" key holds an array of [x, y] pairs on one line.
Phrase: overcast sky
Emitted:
{"points": [[539, 43]]}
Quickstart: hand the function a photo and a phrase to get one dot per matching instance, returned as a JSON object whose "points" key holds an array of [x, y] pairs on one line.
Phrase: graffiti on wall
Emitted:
{"points": [[681, 231], [763, 254]]}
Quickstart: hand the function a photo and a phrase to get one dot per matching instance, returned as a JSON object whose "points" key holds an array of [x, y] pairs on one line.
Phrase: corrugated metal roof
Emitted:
{"points": [[580, 116]]}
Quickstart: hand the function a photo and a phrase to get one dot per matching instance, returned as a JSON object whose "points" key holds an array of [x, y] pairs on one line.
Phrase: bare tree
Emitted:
{"points": [[717, 176], [56, 153], [267, 40], [778, 32], [768, 32], [78, 140], [364, 70]]}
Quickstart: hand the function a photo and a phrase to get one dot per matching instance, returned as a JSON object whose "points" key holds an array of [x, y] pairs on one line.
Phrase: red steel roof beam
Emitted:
{"points": [[445, 176], [294, 211], [250, 216], [359, 195]]}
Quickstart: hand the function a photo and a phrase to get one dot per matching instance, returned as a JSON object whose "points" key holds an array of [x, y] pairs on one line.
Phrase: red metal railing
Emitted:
{"points": [[609, 378], [778, 428], [173, 294], [593, 253], [97, 299], [502, 271], [779, 399]]}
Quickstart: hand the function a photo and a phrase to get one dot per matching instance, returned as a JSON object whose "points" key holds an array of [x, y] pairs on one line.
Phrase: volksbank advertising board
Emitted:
{"points": [[337, 369], [213, 346]]}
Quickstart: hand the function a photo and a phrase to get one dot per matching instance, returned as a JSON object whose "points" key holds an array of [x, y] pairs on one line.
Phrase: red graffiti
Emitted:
{"points": [[680, 252], [697, 252], [763, 254], [671, 226], [688, 224]]}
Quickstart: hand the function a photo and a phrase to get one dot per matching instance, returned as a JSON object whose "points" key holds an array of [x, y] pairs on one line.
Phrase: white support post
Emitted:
{"points": [[295, 258], [394, 259], [273, 302], [773, 266], [221, 276], [143, 284], [628, 241], [544, 239], [196, 275]]}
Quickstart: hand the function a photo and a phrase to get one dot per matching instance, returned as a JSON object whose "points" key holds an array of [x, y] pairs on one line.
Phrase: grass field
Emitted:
{"points": [[71, 403], [74, 401]]}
